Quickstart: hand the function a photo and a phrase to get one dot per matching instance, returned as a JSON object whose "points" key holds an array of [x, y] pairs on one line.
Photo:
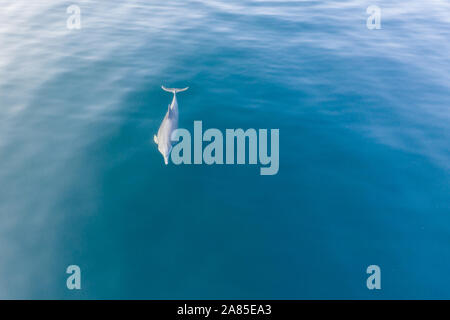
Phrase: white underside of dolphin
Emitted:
{"points": [[168, 125]]}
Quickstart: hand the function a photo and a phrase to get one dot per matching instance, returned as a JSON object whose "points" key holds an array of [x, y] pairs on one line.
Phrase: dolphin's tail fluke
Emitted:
{"points": [[174, 90]]}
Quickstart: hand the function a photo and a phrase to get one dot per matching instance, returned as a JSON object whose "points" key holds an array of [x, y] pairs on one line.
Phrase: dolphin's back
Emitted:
{"points": [[168, 125]]}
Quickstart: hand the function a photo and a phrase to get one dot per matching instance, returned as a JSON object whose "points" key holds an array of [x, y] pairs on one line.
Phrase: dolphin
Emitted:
{"points": [[168, 125]]}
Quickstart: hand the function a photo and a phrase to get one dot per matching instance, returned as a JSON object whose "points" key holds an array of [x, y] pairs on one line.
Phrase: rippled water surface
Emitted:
{"points": [[364, 149]]}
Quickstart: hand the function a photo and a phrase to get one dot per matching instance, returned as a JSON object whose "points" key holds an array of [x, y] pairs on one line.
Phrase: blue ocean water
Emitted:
{"points": [[364, 150]]}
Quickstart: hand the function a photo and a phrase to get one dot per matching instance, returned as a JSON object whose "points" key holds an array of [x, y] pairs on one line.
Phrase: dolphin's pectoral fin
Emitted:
{"points": [[155, 138]]}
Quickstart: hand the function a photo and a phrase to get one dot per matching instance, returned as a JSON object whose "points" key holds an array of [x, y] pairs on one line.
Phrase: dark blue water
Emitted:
{"points": [[364, 150]]}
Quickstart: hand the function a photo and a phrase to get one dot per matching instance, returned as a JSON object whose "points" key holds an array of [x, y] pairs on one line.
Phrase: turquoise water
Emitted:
{"points": [[364, 150]]}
